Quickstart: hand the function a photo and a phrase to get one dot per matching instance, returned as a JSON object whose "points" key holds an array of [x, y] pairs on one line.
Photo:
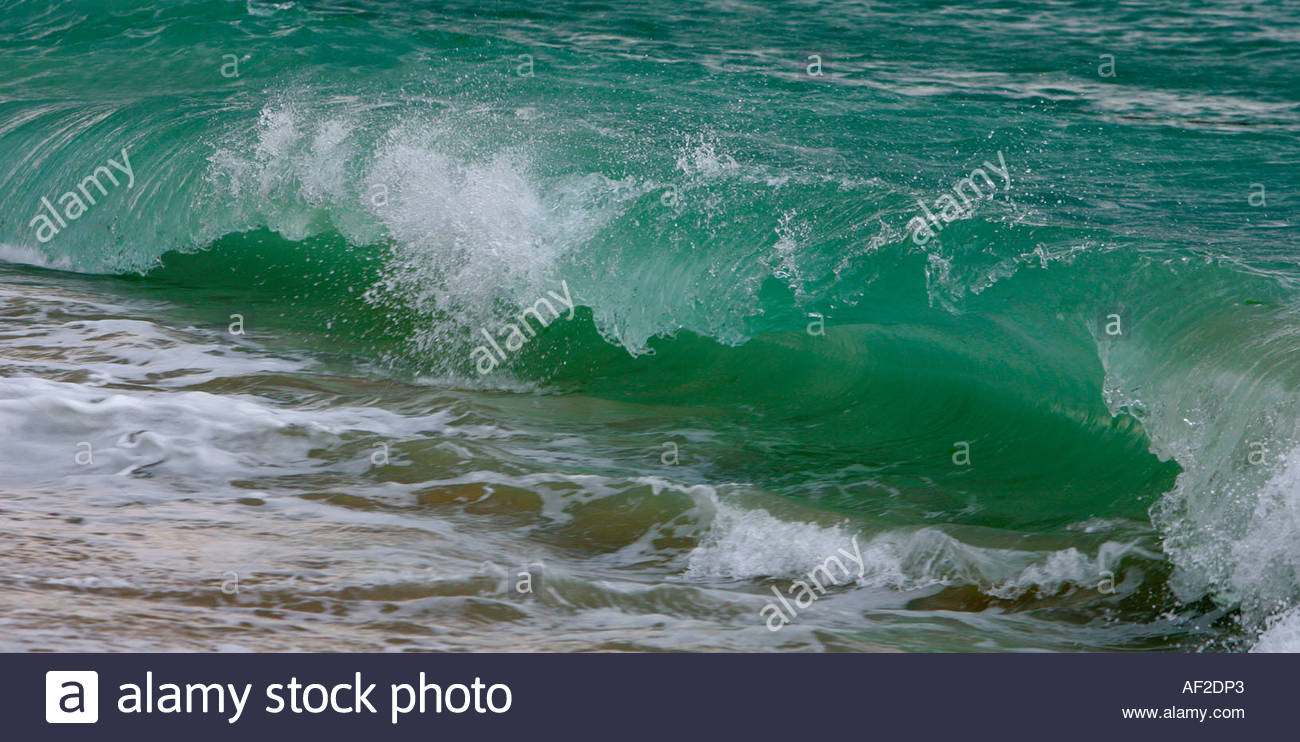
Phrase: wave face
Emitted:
{"points": [[735, 347]]}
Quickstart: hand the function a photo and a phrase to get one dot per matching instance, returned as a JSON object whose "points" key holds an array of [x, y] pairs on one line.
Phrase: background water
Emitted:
{"points": [[369, 185]]}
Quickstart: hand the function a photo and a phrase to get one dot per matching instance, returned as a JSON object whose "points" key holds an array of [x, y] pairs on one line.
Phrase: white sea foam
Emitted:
{"points": [[1231, 525], [1281, 635], [60, 431], [10, 253], [752, 543], [471, 230]]}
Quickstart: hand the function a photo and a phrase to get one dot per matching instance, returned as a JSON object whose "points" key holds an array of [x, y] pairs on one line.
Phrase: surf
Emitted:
{"points": [[1074, 381]]}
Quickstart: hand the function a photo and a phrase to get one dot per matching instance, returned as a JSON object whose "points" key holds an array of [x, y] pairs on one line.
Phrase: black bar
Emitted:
{"points": [[683, 697]]}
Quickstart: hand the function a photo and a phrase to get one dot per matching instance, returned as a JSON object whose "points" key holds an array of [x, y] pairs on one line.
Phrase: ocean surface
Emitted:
{"points": [[566, 326]]}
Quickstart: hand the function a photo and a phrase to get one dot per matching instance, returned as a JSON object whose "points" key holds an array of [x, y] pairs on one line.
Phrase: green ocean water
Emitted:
{"points": [[243, 390]]}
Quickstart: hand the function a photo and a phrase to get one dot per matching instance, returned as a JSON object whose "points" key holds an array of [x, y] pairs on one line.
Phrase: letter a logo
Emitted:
{"points": [[72, 697]]}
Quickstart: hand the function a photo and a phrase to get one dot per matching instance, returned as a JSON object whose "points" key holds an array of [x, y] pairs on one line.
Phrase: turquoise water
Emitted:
{"points": [[370, 310]]}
